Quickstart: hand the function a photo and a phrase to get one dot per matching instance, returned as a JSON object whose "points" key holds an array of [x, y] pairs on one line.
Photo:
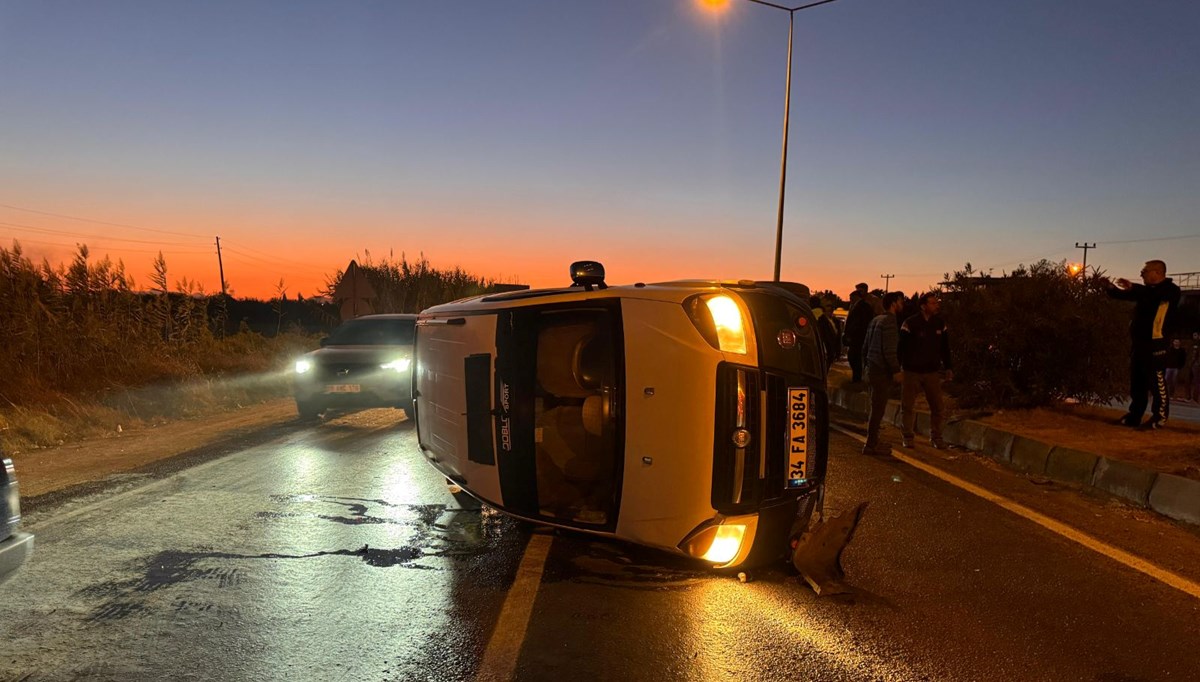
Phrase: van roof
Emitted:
{"points": [[677, 290]]}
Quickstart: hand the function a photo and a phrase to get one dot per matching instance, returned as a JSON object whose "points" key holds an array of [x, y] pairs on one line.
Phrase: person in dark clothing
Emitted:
{"points": [[826, 331], [1176, 359], [1155, 301], [882, 367], [925, 359], [858, 319]]}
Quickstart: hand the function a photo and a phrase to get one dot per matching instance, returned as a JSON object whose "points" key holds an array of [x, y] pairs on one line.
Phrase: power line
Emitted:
{"points": [[268, 257], [101, 222], [235, 255], [98, 237], [1152, 239], [123, 250]]}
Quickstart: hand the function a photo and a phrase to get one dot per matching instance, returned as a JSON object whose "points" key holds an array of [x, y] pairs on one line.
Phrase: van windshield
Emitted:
{"points": [[373, 332]]}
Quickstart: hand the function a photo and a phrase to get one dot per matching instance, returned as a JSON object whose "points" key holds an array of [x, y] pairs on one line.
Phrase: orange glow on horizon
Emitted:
{"points": [[257, 273], [263, 245]]}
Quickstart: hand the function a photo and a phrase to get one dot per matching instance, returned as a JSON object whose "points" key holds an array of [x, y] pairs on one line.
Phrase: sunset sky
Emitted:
{"points": [[512, 137]]}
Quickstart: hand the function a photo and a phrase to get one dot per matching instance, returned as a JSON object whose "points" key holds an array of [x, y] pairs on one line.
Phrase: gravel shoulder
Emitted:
{"points": [[48, 470]]}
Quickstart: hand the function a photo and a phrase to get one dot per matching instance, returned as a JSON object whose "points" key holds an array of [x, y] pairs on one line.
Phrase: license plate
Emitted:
{"points": [[799, 409], [343, 388]]}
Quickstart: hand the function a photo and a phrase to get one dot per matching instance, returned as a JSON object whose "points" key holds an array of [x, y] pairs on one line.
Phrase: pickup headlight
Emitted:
{"points": [[399, 365], [721, 321], [303, 366]]}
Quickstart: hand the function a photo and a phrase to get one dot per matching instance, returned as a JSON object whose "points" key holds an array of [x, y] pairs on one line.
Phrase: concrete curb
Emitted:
{"points": [[1177, 497], [1170, 495]]}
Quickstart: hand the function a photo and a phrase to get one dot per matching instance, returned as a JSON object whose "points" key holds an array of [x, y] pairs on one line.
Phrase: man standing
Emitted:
{"points": [[924, 356], [882, 367], [826, 331], [1155, 301], [857, 320]]}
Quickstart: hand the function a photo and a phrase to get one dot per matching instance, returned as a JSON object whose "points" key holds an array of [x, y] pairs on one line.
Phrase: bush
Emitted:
{"points": [[403, 286], [83, 329], [1036, 337]]}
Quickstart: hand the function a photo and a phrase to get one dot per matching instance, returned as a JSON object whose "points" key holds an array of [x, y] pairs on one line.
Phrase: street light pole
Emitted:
{"points": [[787, 110], [787, 103]]}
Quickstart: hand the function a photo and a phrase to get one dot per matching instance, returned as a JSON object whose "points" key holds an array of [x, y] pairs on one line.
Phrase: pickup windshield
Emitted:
{"points": [[378, 332]]}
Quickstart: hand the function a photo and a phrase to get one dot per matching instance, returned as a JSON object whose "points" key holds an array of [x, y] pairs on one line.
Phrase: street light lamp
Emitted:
{"points": [[787, 101]]}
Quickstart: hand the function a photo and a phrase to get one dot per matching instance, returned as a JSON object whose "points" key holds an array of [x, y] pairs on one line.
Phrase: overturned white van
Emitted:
{"points": [[689, 416]]}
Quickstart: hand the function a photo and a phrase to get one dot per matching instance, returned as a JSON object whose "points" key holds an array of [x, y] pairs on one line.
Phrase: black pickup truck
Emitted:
{"points": [[15, 547]]}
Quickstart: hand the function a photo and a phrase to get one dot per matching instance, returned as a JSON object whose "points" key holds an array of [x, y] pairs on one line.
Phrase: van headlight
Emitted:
{"points": [[721, 320], [717, 544], [399, 365], [303, 366]]}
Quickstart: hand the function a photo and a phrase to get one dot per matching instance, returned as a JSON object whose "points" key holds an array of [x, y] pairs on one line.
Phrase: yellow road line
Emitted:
{"points": [[1132, 561], [500, 657]]}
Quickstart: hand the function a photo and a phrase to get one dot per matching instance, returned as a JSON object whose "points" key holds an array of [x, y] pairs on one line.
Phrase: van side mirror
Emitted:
{"points": [[587, 274]]}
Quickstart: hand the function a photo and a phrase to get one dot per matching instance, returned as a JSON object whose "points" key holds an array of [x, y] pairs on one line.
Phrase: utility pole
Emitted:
{"points": [[887, 282], [221, 265], [1085, 246]]}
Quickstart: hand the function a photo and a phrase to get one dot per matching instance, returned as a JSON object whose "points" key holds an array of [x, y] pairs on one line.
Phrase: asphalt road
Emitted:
{"points": [[333, 552]]}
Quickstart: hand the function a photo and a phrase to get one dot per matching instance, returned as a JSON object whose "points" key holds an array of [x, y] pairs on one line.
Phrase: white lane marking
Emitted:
{"points": [[1132, 561], [500, 657]]}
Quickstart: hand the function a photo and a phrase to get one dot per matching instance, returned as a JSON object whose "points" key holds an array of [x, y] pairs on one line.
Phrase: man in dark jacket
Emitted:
{"points": [[1155, 301], [924, 356], [858, 319], [882, 367], [827, 331]]}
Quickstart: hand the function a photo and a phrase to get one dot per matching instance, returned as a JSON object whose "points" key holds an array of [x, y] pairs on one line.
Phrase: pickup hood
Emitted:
{"points": [[357, 355]]}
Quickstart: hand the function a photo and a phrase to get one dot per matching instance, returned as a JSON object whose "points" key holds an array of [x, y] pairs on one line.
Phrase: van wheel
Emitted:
{"points": [[308, 411]]}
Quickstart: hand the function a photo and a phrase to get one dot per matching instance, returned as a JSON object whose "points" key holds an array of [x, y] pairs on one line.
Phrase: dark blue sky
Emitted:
{"points": [[513, 137]]}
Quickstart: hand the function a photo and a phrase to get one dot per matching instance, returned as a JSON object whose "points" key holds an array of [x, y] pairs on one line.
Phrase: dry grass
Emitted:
{"points": [[68, 419]]}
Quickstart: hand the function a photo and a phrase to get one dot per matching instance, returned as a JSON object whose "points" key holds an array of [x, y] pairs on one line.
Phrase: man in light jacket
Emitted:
{"points": [[882, 367]]}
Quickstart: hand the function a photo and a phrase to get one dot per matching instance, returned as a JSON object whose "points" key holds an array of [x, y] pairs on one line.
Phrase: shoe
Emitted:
{"points": [[939, 444], [907, 442], [879, 450], [1154, 424], [1128, 420]]}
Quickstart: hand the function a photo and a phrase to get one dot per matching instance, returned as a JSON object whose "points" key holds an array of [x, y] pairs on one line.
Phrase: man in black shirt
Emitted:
{"points": [[1155, 301], [925, 359], [859, 318]]}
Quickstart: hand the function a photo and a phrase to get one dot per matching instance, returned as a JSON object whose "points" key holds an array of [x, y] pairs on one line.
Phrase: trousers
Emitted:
{"points": [[1147, 384], [929, 383], [881, 386]]}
